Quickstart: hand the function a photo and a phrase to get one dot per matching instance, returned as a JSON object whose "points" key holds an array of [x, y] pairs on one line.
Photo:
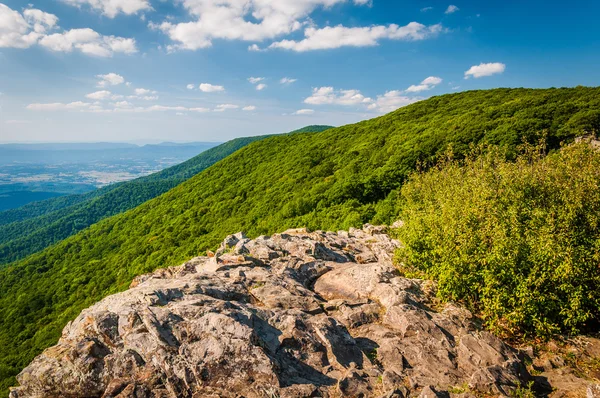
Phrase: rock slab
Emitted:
{"points": [[297, 314]]}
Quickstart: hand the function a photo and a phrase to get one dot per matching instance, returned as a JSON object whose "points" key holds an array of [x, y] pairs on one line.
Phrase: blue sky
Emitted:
{"points": [[211, 70]]}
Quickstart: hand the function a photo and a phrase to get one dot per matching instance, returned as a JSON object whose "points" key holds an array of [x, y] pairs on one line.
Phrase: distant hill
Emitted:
{"points": [[334, 179], [87, 152], [38, 225]]}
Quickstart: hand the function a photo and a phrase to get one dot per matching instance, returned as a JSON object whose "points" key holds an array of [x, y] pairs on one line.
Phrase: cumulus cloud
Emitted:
{"points": [[483, 70], [88, 42], [328, 95], [261, 86], [110, 79], [191, 86], [32, 27], [451, 9], [248, 20], [15, 30], [40, 21], [304, 112], [387, 102], [143, 91], [425, 85], [249, 108], [112, 8], [211, 88], [340, 36], [287, 80], [99, 95], [391, 101]]}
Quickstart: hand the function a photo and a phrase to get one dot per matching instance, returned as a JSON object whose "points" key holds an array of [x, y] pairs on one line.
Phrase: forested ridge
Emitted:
{"points": [[334, 179], [39, 225]]}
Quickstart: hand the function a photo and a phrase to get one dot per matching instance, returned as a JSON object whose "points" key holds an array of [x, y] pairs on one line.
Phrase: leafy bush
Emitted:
{"points": [[517, 241]]}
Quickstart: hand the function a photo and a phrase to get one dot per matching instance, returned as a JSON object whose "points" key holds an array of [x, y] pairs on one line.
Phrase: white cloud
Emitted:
{"points": [[287, 80], [210, 88], [340, 36], [256, 81], [248, 20], [483, 70], [432, 80], [451, 9], [143, 91], [254, 48], [199, 110], [224, 107], [111, 8], [249, 108], [387, 102], [99, 95], [57, 106], [88, 42], [191, 86], [110, 79], [304, 112], [15, 30], [425, 9], [328, 95], [425, 85], [391, 101], [40, 20], [30, 28]]}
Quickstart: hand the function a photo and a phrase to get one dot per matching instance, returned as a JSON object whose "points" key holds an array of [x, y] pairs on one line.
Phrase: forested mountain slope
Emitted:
{"points": [[56, 219], [333, 179]]}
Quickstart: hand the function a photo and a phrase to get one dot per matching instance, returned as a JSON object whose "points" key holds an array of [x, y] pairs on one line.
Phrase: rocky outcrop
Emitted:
{"points": [[298, 314]]}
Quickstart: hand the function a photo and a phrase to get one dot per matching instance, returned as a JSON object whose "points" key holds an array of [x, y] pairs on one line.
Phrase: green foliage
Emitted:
{"points": [[40, 225], [519, 242], [334, 179]]}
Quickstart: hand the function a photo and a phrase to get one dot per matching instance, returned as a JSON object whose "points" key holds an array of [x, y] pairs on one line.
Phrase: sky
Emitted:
{"points": [[211, 70]]}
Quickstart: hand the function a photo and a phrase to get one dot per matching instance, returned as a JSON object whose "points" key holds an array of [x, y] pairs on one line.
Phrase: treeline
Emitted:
{"points": [[39, 225]]}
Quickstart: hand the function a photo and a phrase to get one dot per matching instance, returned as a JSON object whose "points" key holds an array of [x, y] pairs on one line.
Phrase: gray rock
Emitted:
{"points": [[297, 314]]}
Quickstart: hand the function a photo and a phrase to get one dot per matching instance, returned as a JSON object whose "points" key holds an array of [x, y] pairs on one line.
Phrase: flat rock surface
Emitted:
{"points": [[297, 314]]}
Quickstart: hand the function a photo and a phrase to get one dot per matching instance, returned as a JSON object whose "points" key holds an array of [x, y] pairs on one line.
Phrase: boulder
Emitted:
{"points": [[296, 314]]}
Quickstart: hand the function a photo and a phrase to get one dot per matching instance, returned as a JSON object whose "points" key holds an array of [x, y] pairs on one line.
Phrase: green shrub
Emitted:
{"points": [[519, 242]]}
